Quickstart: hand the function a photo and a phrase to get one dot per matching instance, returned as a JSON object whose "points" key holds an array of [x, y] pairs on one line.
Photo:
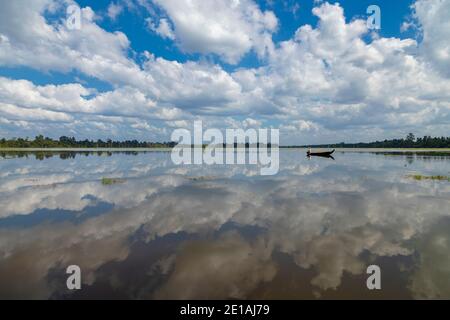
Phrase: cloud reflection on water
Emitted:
{"points": [[221, 235]]}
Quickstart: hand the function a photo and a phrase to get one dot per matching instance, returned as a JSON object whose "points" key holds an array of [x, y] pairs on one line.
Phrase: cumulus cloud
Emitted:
{"points": [[331, 76], [328, 77], [45, 46], [229, 30], [249, 122], [164, 29], [114, 10], [67, 100], [434, 20]]}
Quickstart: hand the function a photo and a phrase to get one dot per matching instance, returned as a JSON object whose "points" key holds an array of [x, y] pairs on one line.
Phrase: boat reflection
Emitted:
{"points": [[321, 156]]}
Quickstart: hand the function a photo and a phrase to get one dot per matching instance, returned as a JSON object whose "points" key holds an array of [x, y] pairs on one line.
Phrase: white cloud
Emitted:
{"points": [[44, 46], [406, 26], [164, 29], [65, 98], [229, 31], [331, 76], [73, 99], [114, 10], [249, 122], [16, 113], [192, 85], [328, 77], [434, 19]]}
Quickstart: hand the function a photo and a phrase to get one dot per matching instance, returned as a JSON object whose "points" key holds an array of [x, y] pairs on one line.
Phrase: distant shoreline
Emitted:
{"points": [[69, 149], [65, 143], [367, 149]]}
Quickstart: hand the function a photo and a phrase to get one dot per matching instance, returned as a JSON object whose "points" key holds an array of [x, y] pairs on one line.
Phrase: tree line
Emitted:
{"points": [[409, 142], [70, 142]]}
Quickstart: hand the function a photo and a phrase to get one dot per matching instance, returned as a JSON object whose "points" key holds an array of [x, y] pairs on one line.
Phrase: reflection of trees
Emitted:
{"points": [[67, 155], [430, 156], [42, 155], [410, 159], [70, 142], [409, 142], [63, 155]]}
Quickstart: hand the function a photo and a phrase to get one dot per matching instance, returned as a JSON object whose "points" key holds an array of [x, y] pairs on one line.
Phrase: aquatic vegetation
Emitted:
{"points": [[420, 177], [201, 178], [111, 181]]}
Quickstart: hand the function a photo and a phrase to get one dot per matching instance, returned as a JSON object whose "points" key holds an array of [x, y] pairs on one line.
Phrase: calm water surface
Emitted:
{"points": [[168, 232]]}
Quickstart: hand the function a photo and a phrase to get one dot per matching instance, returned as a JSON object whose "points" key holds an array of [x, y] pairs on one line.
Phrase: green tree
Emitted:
{"points": [[410, 137]]}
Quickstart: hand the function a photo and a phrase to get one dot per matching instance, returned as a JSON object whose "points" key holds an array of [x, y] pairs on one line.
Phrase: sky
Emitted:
{"points": [[139, 69]]}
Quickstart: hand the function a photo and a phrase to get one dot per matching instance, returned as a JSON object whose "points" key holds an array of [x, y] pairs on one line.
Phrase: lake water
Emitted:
{"points": [[154, 230]]}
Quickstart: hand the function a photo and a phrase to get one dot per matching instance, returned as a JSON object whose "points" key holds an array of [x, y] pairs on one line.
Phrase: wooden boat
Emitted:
{"points": [[321, 154]]}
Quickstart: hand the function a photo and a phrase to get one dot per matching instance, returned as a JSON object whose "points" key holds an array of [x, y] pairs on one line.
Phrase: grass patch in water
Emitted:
{"points": [[420, 177], [201, 178], [111, 181]]}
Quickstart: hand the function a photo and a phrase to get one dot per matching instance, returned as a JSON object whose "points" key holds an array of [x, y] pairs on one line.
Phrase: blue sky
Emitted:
{"points": [[133, 24], [142, 68]]}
